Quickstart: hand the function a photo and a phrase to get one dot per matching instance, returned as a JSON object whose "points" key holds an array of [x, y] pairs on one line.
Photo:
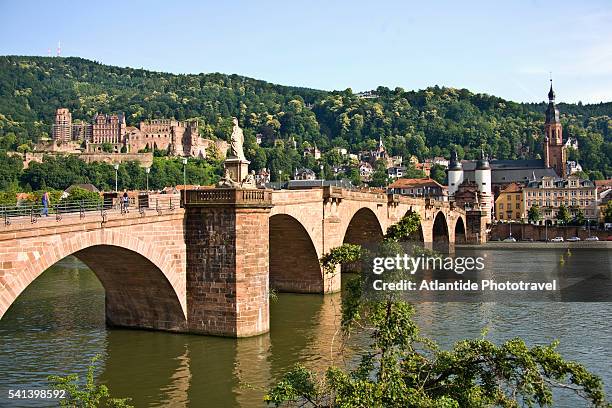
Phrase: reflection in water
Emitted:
{"points": [[57, 325]]}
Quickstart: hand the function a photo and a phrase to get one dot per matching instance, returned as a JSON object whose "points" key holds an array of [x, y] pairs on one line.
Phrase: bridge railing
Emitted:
{"points": [[226, 196], [82, 208]]}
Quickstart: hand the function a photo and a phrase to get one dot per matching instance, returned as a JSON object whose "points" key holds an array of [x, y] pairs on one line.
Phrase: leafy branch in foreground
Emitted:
{"points": [[401, 368], [345, 253], [88, 395]]}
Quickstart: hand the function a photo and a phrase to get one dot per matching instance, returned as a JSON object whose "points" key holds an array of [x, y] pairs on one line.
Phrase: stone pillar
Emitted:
{"points": [[226, 235], [476, 228], [237, 169]]}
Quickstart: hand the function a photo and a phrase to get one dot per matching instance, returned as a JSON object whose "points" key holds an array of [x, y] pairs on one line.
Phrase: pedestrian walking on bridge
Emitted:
{"points": [[45, 204], [125, 201]]}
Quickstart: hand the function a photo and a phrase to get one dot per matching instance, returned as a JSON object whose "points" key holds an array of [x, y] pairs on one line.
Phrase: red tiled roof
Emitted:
{"points": [[512, 188], [415, 182], [603, 183]]}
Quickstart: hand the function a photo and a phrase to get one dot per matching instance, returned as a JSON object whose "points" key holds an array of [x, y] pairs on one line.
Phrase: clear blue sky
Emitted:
{"points": [[504, 48]]}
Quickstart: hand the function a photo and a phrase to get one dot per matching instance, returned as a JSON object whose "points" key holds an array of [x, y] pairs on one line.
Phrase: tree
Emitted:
{"points": [[89, 395], [402, 368], [78, 194], [379, 176], [407, 228], [107, 147], [8, 198], [412, 172], [437, 173], [579, 217], [534, 215], [425, 122], [596, 175], [563, 214], [10, 169]]}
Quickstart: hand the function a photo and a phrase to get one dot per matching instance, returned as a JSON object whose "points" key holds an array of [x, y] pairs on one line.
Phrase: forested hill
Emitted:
{"points": [[427, 123]]}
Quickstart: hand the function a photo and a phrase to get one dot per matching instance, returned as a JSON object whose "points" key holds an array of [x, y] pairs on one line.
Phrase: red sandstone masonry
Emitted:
{"points": [[42, 244], [207, 269]]}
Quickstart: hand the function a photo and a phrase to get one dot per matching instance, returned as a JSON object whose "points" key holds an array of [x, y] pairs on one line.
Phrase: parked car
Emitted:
{"points": [[609, 238], [573, 239], [527, 239], [496, 239], [557, 239], [592, 239], [510, 239]]}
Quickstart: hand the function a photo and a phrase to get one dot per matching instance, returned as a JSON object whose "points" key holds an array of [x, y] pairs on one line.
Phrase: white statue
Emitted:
{"points": [[249, 181], [237, 141]]}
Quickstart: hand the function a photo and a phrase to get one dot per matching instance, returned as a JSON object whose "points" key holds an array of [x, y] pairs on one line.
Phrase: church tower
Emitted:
{"points": [[555, 155]]}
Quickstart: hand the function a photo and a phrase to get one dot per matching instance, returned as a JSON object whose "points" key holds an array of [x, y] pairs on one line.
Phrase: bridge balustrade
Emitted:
{"points": [[226, 196]]}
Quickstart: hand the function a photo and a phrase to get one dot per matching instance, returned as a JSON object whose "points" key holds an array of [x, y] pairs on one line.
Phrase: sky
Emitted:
{"points": [[503, 48]]}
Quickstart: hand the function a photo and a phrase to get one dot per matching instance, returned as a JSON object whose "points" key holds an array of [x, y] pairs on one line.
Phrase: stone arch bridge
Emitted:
{"points": [[207, 267]]}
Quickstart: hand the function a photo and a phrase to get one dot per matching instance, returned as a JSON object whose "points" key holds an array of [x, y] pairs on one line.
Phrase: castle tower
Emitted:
{"points": [[455, 174], [62, 128], [555, 154]]}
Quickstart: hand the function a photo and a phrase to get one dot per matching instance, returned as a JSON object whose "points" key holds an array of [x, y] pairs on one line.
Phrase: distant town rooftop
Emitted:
{"points": [[415, 182]]}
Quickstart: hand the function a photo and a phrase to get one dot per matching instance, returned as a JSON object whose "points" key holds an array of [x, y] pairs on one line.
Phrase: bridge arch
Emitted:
{"points": [[440, 234], [460, 233], [144, 285], [363, 228], [418, 235], [294, 263]]}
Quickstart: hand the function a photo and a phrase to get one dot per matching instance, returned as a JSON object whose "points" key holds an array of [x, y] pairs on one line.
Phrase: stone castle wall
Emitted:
{"points": [[145, 159]]}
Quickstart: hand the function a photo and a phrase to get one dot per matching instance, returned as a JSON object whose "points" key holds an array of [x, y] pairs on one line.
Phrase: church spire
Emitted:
{"points": [[551, 93], [552, 112]]}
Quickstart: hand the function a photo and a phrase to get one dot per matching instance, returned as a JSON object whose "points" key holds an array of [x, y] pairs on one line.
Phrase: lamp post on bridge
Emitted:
{"points": [[184, 172], [280, 179], [322, 176], [116, 166], [148, 170], [185, 178]]}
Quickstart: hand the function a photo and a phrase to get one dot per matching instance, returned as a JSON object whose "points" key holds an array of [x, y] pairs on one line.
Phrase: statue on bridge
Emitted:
{"points": [[237, 142], [236, 165]]}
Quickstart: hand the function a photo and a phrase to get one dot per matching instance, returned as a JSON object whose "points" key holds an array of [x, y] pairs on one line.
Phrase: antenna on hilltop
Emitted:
{"points": [[49, 52], [59, 48]]}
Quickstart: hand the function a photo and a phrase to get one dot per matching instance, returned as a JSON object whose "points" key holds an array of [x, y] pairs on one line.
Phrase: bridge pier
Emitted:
{"points": [[476, 228], [226, 237]]}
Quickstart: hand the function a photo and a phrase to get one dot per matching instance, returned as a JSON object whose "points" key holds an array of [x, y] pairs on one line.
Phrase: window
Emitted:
{"points": [[518, 206], [501, 206]]}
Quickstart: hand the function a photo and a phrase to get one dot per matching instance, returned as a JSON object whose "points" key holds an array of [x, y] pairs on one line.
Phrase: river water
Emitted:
{"points": [[57, 325]]}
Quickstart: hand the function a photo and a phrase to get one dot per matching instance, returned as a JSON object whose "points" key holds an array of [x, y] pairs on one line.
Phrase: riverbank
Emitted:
{"points": [[539, 245]]}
